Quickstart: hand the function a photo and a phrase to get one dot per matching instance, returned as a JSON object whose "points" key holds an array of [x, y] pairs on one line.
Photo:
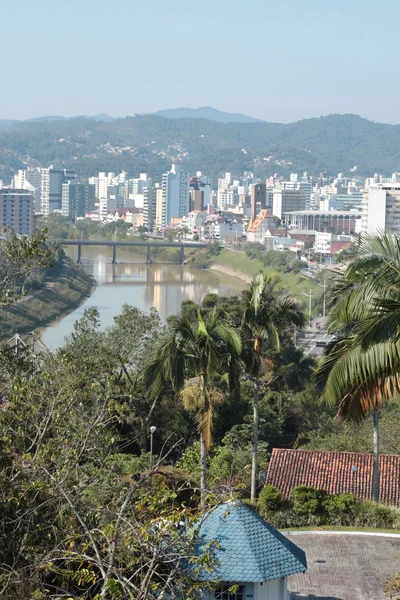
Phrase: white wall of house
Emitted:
{"points": [[270, 590]]}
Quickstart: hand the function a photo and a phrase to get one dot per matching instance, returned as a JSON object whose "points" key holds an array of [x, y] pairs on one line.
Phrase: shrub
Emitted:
{"points": [[287, 518], [270, 499], [370, 514], [308, 500], [341, 508], [200, 261]]}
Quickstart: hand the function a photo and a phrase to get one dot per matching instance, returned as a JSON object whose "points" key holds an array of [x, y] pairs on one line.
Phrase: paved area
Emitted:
{"points": [[345, 567]]}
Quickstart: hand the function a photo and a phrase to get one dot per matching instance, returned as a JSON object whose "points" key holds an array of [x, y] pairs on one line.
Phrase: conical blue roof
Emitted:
{"points": [[249, 549]]}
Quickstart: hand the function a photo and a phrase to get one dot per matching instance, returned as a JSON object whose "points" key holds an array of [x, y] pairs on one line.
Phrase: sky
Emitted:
{"points": [[280, 60]]}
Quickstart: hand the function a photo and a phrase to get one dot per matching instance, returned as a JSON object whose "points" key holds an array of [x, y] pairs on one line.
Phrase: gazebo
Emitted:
{"points": [[253, 560]]}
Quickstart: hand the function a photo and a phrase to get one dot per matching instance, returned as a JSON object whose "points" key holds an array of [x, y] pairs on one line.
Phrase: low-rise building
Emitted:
{"points": [[250, 555], [257, 229], [217, 227], [324, 242], [336, 221], [348, 472], [133, 216], [105, 206], [194, 221]]}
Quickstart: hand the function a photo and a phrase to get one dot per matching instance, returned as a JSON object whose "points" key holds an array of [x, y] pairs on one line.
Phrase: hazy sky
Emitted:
{"points": [[279, 60]]}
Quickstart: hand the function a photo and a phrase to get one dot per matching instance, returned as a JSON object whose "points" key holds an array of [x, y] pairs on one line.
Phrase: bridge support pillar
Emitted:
{"points": [[79, 253], [148, 257], [182, 256], [114, 258]]}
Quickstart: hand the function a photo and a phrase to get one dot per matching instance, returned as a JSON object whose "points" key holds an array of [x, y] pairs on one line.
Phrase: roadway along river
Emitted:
{"points": [[131, 281]]}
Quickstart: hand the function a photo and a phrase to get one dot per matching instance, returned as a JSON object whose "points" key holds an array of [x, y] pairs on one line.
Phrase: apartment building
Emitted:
{"points": [[51, 188], [287, 200], [77, 199], [175, 199], [16, 210], [381, 207]]}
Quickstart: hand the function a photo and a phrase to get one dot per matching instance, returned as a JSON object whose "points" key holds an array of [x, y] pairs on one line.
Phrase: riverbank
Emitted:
{"points": [[60, 295], [237, 264], [232, 272]]}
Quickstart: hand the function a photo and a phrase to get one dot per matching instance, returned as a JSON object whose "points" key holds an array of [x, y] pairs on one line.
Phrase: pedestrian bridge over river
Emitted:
{"points": [[146, 244]]}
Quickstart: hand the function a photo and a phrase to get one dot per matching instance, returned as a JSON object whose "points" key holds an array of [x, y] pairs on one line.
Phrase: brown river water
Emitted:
{"points": [[131, 281]]}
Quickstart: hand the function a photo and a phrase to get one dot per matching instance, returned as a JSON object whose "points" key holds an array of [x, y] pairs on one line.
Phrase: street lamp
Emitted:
{"points": [[153, 429]]}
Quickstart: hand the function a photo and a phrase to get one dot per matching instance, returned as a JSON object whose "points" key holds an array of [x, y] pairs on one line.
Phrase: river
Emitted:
{"points": [[131, 281]]}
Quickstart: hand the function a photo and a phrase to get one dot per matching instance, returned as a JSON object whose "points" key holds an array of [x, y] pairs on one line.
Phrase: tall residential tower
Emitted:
{"points": [[175, 186]]}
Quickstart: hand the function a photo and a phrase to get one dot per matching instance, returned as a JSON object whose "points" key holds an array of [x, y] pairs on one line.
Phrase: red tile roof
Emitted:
{"points": [[332, 472]]}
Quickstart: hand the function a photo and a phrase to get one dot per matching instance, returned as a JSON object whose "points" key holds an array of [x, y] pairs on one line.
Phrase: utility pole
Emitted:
{"points": [[153, 429], [309, 296]]}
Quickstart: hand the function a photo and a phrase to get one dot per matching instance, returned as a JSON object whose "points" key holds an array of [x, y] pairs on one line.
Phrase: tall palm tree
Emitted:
{"points": [[199, 350], [362, 368], [268, 312]]}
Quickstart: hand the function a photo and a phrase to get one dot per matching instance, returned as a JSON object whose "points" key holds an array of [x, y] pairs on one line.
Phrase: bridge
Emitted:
{"points": [[146, 244]]}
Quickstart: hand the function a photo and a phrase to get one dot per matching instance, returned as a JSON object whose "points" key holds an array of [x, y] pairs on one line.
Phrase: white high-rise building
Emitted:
{"points": [[95, 181], [176, 187], [381, 207], [105, 180], [31, 181], [159, 204], [45, 192], [227, 198], [149, 205]]}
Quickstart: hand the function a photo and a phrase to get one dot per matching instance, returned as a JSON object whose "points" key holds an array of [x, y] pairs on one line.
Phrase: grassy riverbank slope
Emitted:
{"points": [[61, 293], [237, 264]]}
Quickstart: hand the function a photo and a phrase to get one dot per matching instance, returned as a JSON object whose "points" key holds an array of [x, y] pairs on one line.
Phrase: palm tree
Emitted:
{"points": [[199, 350], [361, 370], [268, 311]]}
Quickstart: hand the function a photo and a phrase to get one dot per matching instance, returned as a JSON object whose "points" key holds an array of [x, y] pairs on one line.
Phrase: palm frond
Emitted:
{"points": [[350, 374], [256, 289]]}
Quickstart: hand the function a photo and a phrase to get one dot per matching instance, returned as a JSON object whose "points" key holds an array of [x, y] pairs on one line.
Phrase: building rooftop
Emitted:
{"points": [[123, 211], [334, 472], [262, 215], [324, 213], [249, 549]]}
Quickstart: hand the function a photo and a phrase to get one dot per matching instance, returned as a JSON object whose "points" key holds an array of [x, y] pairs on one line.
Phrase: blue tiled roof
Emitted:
{"points": [[249, 549]]}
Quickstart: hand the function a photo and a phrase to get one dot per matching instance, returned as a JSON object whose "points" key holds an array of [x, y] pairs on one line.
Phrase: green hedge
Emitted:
{"points": [[270, 499], [312, 507]]}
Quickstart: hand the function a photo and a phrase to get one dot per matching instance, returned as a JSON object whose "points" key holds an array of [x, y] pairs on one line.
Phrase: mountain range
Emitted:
{"points": [[150, 143], [205, 112], [100, 117]]}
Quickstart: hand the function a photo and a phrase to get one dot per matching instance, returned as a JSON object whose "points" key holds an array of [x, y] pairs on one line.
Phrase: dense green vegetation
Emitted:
{"points": [[63, 288], [79, 497], [295, 282], [147, 143], [310, 506], [361, 368], [87, 513], [38, 283]]}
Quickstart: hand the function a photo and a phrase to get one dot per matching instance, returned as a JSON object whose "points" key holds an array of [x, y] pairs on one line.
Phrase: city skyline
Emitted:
{"points": [[307, 60]]}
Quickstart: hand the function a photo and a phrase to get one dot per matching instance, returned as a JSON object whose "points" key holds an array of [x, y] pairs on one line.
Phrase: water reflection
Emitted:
{"points": [[163, 286]]}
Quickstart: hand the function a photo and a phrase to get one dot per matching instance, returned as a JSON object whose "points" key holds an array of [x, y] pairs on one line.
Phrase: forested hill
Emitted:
{"points": [[335, 143]]}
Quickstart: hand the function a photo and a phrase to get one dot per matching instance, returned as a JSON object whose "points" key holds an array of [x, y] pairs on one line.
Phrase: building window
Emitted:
{"points": [[224, 593]]}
